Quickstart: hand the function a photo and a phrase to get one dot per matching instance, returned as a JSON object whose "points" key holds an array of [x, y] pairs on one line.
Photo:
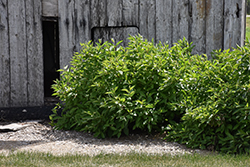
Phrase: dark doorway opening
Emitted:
{"points": [[50, 54]]}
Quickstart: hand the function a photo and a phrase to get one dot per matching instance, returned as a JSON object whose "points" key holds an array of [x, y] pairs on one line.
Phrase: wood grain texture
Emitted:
{"points": [[66, 31], [214, 25], [233, 22], [164, 21], [82, 23], [181, 20], [198, 25], [4, 56], [18, 53], [130, 13], [147, 19], [114, 12], [34, 53], [49, 8], [98, 13]]}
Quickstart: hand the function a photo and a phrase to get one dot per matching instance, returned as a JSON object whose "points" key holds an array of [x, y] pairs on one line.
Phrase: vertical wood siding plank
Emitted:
{"points": [[114, 12], [130, 13], [175, 21], [82, 21], [66, 25], [233, 21], [18, 57], [4, 56], [181, 20], [98, 13], [34, 53], [164, 21], [214, 25], [147, 19], [198, 26]]}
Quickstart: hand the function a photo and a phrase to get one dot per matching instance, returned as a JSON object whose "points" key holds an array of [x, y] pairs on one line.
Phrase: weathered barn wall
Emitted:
{"points": [[21, 60], [209, 24]]}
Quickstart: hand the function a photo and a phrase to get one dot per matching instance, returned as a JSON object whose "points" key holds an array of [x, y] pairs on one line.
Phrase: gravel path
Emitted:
{"points": [[41, 137]]}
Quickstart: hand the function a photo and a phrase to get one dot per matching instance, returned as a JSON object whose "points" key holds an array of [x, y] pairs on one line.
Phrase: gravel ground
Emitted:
{"points": [[41, 137]]}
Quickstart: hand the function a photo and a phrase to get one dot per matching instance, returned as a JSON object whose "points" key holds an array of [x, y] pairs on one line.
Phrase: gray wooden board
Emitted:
{"points": [[4, 56], [82, 22], [130, 13], [214, 25], [181, 20], [233, 23], [34, 53], [66, 31], [18, 56], [98, 13], [198, 25], [147, 15], [50, 8], [164, 21], [114, 12]]}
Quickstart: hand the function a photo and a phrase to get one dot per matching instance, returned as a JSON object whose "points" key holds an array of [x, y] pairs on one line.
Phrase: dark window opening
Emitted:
{"points": [[50, 54]]}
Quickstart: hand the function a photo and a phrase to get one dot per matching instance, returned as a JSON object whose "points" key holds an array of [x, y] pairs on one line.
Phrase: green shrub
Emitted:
{"points": [[217, 103], [109, 90]]}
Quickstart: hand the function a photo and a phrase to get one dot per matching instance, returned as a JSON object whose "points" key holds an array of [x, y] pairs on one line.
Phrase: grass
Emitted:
{"points": [[143, 160], [248, 27]]}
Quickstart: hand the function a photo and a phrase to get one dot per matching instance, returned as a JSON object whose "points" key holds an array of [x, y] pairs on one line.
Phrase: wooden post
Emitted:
{"points": [[4, 56]]}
